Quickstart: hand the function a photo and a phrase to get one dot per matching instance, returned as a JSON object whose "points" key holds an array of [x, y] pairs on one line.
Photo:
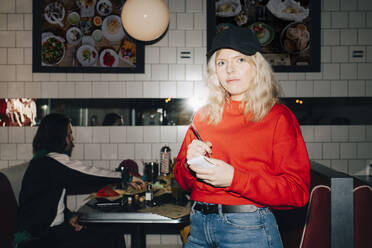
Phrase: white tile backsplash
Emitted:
{"points": [[176, 38], [185, 21], [331, 150], [4, 134], [168, 55], [339, 133], [194, 38], [347, 5], [101, 135], [151, 134], [168, 89], [92, 151], [365, 5], [357, 133], [15, 56], [177, 72], [142, 151], [185, 89], [151, 89], [117, 134], [135, 134], [125, 151], [83, 134], [15, 22], [348, 150], [349, 36], [340, 19], [8, 151], [24, 151], [159, 72], [357, 19], [364, 150], [109, 151], [356, 88], [168, 134], [17, 135], [331, 5]]}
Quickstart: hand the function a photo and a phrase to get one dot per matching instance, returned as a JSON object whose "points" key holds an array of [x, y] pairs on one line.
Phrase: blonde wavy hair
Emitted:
{"points": [[258, 100]]}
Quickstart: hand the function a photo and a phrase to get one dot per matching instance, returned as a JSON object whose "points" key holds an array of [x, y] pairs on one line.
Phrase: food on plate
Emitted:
{"points": [[225, 7], [113, 26], [97, 21], [290, 10], [241, 19], [85, 26], [52, 51], [108, 58], [86, 3], [259, 29], [54, 12], [73, 18], [263, 32], [89, 55], [104, 7], [73, 35], [128, 51], [296, 37]]}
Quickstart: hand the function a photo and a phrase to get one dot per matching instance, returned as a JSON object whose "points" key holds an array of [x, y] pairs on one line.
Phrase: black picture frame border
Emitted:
{"points": [[36, 52], [315, 12]]}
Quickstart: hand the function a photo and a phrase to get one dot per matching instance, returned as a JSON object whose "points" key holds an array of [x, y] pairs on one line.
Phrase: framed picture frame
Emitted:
{"points": [[83, 36], [288, 30]]}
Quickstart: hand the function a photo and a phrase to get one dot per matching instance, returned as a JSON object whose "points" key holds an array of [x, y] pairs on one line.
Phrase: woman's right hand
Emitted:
{"points": [[198, 148]]}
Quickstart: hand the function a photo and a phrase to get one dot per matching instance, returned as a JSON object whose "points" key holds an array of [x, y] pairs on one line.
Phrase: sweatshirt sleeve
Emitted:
{"points": [[181, 173], [284, 182]]}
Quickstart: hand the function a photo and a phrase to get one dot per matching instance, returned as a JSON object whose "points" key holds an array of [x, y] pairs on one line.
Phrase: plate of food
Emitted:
{"points": [[295, 37], [222, 26], [104, 7], [74, 35], [264, 32], [52, 50], [108, 58], [128, 52], [87, 55], [112, 28], [228, 8], [54, 13], [289, 10]]}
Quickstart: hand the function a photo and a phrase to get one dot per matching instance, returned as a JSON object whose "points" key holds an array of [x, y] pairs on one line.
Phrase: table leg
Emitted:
{"points": [[138, 237]]}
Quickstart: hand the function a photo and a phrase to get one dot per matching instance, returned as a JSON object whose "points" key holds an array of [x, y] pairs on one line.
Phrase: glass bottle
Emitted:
{"points": [[165, 160]]}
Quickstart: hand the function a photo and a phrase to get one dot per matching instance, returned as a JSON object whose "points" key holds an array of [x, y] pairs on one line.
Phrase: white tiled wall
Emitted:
{"points": [[346, 26]]}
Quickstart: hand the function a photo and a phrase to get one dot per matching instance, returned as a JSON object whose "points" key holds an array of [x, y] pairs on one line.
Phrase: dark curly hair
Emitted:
{"points": [[51, 134]]}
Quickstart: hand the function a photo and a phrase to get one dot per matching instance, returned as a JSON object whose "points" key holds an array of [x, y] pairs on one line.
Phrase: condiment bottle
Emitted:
{"points": [[165, 160], [148, 196]]}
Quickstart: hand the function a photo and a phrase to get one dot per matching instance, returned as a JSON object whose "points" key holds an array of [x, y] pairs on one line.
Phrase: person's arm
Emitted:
{"points": [[286, 183], [181, 173]]}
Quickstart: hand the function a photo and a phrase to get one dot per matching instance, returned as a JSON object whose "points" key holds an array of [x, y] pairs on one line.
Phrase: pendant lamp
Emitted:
{"points": [[145, 20]]}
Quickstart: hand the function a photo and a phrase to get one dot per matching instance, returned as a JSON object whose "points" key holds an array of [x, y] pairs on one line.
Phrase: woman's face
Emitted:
{"points": [[235, 71]]}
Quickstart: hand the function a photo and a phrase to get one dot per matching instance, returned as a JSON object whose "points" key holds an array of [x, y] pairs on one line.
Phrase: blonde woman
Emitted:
{"points": [[255, 143]]}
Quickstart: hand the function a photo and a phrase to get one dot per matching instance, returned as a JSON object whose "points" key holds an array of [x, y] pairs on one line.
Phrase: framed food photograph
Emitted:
{"points": [[83, 36], [288, 30]]}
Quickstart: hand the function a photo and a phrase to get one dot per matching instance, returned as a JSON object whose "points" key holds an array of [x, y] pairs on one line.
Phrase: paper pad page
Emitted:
{"points": [[201, 161]]}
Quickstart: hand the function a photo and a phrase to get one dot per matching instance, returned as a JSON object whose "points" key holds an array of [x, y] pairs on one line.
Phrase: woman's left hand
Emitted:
{"points": [[75, 224], [221, 175]]}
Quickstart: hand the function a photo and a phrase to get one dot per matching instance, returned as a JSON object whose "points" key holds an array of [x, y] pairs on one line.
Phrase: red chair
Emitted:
{"points": [[316, 232], [362, 216]]}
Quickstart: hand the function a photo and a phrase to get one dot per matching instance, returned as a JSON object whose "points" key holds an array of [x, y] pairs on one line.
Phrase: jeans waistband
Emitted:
{"points": [[213, 208]]}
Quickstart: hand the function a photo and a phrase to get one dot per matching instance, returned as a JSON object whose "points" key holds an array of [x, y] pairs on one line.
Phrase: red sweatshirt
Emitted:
{"points": [[271, 165]]}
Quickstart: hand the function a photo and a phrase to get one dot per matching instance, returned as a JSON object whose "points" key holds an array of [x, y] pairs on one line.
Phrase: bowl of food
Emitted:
{"points": [[104, 7], [54, 13], [87, 55], [295, 37], [112, 28], [73, 18], [264, 32], [97, 35], [74, 35], [52, 50], [108, 58], [228, 8], [97, 21]]}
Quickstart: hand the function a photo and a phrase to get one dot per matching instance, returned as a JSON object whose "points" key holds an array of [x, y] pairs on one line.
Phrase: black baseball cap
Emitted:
{"points": [[241, 39]]}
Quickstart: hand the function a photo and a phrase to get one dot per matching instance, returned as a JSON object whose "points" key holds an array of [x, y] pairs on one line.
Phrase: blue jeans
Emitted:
{"points": [[234, 230]]}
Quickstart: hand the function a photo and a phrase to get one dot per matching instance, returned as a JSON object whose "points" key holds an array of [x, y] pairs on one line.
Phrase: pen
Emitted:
{"points": [[197, 135]]}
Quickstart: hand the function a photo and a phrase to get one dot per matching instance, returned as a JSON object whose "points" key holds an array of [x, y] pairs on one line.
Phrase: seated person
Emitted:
{"points": [[43, 216]]}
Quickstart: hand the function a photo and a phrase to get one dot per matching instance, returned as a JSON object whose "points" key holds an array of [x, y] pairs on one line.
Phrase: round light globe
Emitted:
{"points": [[145, 20]]}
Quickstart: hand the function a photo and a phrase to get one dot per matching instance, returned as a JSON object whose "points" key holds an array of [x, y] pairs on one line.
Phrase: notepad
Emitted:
{"points": [[202, 162]]}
